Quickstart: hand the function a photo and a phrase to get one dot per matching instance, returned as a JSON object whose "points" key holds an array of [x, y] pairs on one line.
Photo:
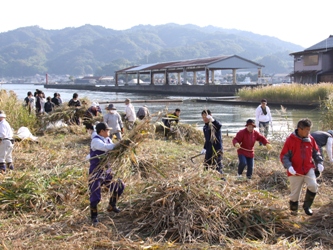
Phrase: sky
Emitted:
{"points": [[304, 23]]}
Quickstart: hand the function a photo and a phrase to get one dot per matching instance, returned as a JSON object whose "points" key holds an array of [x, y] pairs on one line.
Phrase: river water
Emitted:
{"points": [[233, 117]]}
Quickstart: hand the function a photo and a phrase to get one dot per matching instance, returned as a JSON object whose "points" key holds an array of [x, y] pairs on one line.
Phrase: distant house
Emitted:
{"points": [[314, 64]]}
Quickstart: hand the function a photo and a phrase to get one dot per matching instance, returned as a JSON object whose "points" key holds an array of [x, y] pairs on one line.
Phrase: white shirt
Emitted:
{"points": [[260, 117], [329, 148], [103, 145], [130, 113], [5, 130]]}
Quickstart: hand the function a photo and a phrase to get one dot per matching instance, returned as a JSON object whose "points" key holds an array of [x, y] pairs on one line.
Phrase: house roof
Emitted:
{"points": [[219, 62], [325, 44], [322, 46]]}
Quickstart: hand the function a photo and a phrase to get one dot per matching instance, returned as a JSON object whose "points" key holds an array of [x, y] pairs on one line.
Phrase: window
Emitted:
{"points": [[311, 60]]}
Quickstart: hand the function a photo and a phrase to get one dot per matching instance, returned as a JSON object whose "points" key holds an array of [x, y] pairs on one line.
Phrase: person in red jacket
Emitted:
{"points": [[244, 141], [300, 156]]}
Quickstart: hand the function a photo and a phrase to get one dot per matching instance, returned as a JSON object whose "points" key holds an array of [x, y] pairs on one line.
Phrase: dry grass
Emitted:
{"points": [[169, 202]]}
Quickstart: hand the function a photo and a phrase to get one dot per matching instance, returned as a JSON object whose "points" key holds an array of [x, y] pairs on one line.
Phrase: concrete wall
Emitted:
{"points": [[175, 90]]}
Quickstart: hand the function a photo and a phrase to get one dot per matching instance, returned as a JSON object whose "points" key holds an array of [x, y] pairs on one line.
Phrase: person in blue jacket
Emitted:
{"points": [[98, 176], [213, 148]]}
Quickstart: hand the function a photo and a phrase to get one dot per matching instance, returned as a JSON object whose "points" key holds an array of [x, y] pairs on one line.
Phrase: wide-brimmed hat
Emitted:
{"points": [[250, 122], [110, 107], [102, 126]]}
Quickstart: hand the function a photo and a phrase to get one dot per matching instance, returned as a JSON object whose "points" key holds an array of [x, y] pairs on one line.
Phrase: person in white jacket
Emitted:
{"points": [[130, 115], [6, 144], [263, 118], [323, 139]]}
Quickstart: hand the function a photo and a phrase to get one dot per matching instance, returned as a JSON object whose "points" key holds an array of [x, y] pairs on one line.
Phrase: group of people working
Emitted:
{"points": [[301, 155], [38, 103]]}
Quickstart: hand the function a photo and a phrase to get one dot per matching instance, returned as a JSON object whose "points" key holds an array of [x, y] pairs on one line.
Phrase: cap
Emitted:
{"points": [[250, 122], [264, 100], [330, 132], [110, 107], [2, 114], [94, 104], [102, 126]]}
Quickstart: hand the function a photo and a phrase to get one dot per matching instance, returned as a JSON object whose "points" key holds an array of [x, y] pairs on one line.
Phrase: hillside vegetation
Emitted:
{"points": [[100, 51], [170, 202]]}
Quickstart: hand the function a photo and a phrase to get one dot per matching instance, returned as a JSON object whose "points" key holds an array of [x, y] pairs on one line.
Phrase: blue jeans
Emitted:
{"points": [[243, 162]]}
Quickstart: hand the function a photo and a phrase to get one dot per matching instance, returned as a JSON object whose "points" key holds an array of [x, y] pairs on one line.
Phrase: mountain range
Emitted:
{"points": [[100, 51]]}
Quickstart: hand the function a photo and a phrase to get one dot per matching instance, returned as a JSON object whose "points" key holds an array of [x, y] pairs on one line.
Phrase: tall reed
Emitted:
{"points": [[17, 114], [288, 93]]}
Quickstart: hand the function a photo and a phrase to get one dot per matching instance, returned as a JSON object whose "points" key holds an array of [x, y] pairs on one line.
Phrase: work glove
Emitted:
{"points": [[292, 170], [203, 151], [210, 118], [269, 146], [320, 167], [237, 145]]}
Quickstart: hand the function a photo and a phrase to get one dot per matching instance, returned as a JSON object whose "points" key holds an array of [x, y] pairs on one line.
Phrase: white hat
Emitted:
{"points": [[94, 104], [2, 114]]}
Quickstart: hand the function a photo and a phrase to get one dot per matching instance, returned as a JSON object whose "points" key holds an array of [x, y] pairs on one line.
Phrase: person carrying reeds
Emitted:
{"points": [[300, 156], [99, 175], [263, 118], [213, 147], [6, 144], [170, 119], [244, 142]]}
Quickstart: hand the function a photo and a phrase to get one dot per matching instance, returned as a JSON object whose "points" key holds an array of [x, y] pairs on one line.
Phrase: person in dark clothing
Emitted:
{"points": [[91, 113], [98, 176], [55, 99], [48, 106], [27, 98], [213, 147], [75, 102], [322, 139], [170, 119], [142, 112]]}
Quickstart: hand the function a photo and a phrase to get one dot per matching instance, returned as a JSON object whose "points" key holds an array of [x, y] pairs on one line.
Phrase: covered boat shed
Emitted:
{"points": [[207, 65]]}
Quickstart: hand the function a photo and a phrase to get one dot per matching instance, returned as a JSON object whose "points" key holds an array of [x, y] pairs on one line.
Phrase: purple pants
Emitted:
{"points": [[97, 180]]}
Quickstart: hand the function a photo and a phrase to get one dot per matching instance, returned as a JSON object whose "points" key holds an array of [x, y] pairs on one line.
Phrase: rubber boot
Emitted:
{"points": [[2, 168], [10, 165], [309, 198], [93, 213], [113, 205], [293, 207]]}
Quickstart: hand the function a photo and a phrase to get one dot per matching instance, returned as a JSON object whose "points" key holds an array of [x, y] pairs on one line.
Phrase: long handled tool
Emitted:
{"points": [[195, 157]]}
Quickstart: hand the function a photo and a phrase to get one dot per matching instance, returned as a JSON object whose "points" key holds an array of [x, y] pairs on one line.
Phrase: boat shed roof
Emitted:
{"points": [[201, 64]]}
